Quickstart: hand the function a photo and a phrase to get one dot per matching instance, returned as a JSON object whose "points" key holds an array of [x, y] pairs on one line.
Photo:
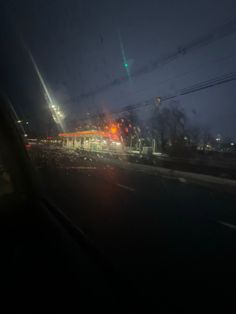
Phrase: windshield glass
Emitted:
{"points": [[127, 109]]}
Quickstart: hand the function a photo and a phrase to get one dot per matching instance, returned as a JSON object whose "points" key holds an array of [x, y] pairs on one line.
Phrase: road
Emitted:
{"points": [[173, 241]]}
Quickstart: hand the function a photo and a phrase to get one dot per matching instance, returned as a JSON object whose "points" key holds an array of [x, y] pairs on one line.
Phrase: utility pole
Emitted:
{"points": [[131, 137], [154, 145]]}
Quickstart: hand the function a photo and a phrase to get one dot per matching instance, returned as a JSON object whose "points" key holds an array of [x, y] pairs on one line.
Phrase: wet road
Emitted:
{"points": [[174, 241]]}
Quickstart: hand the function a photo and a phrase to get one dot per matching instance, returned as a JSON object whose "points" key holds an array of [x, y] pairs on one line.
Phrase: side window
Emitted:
{"points": [[6, 186]]}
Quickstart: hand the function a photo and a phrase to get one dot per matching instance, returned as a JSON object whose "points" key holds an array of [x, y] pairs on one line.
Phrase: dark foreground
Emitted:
{"points": [[172, 242]]}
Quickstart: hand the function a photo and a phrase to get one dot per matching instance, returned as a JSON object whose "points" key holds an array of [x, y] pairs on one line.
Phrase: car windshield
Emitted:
{"points": [[127, 110]]}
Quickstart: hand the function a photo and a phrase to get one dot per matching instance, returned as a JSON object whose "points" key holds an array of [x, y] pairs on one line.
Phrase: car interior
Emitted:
{"points": [[47, 264]]}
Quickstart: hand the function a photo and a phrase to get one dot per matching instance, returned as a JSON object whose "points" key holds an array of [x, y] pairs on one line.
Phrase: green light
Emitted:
{"points": [[126, 65]]}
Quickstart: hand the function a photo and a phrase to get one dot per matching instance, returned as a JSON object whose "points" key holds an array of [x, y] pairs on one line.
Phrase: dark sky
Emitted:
{"points": [[76, 46]]}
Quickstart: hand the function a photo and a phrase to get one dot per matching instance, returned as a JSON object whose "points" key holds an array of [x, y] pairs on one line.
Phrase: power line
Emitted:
{"points": [[195, 69], [217, 33], [226, 78], [193, 88]]}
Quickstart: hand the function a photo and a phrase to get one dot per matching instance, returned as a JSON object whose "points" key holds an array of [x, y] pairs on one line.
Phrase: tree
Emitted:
{"points": [[206, 137], [168, 126], [129, 128], [193, 134]]}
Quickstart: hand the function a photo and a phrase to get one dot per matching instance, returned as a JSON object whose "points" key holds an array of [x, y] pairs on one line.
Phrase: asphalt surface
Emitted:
{"points": [[173, 242]]}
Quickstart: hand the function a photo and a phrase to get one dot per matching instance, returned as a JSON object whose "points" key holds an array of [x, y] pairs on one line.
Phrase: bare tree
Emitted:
{"points": [[193, 134], [206, 137], [129, 128], [168, 125]]}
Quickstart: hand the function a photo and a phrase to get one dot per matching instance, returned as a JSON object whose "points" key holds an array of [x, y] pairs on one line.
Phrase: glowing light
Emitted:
{"points": [[115, 137], [19, 121], [51, 103], [113, 129], [125, 63]]}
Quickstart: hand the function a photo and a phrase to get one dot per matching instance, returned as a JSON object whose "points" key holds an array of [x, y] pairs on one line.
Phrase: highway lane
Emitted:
{"points": [[155, 230]]}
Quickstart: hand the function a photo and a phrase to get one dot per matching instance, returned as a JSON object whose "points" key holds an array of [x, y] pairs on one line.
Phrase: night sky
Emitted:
{"points": [[77, 46]]}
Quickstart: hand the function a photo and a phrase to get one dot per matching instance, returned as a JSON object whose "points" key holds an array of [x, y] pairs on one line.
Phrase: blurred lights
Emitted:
{"points": [[52, 106], [56, 113], [116, 143], [113, 129], [218, 138]]}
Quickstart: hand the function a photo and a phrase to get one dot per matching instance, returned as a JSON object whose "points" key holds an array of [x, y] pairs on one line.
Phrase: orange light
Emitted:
{"points": [[103, 134], [113, 129], [77, 134]]}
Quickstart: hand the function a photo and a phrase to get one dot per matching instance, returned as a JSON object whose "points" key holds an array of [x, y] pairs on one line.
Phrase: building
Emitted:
{"points": [[92, 140]]}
